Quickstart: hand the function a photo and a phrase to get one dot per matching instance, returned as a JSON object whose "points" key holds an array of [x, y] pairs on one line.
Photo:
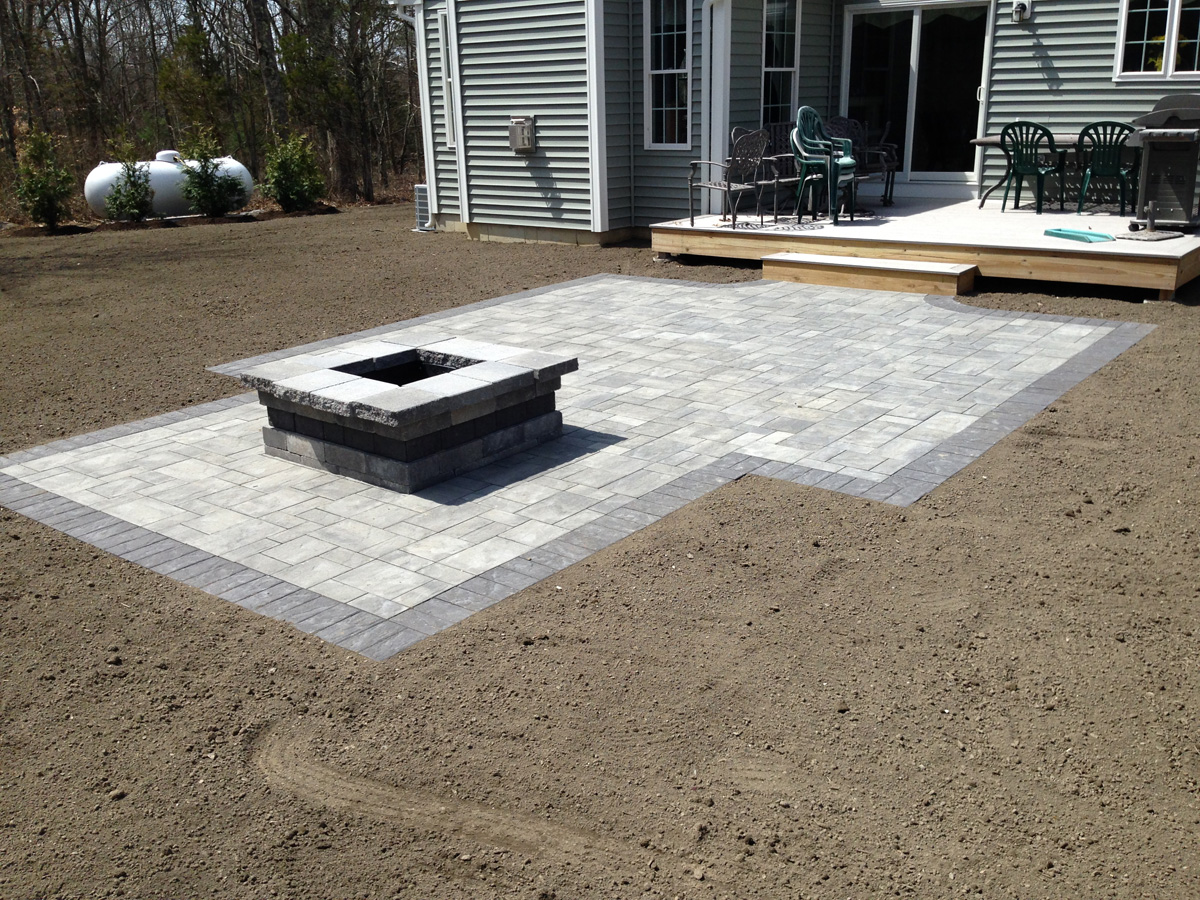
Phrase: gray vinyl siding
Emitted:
{"points": [[1057, 69], [661, 175], [442, 170], [527, 58], [620, 69], [819, 56], [745, 65]]}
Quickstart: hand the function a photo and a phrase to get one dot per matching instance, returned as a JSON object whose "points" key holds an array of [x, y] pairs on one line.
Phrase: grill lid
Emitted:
{"points": [[1181, 135], [1172, 111]]}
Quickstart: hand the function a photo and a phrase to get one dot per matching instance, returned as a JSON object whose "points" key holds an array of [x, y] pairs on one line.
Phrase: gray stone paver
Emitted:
{"points": [[682, 387]]}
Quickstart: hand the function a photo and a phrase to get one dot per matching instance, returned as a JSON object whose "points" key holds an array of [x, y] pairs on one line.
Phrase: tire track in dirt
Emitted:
{"points": [[286, 766]]}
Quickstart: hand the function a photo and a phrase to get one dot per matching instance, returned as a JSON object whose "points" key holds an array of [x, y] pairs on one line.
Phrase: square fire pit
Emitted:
{"points": [[405, 417]]}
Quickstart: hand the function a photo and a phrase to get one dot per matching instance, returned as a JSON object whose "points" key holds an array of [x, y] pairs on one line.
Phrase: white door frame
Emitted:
{"points": [[715, 31], [949, 178]]}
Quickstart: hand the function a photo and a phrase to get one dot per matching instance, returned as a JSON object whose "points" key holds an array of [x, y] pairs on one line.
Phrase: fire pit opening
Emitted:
{"points": [[406, 372]]}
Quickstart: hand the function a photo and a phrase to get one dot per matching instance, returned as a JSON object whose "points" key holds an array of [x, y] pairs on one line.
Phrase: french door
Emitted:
{"points": [[915, 75]]}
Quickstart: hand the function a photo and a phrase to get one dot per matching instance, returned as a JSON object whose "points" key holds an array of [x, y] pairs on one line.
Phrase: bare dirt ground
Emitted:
{"points": [[776, 692]]}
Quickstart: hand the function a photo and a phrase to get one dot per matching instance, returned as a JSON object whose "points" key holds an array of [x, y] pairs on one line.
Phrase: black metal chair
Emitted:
{"points": [[778, 173], [879, 158], [738, 175]]}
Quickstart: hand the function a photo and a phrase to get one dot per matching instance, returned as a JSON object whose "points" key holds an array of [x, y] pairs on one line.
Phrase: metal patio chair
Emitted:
{"points": [[778, 174], [1100, 152], [818, 154], [1026, 144], [738, 175], [879, 158]]}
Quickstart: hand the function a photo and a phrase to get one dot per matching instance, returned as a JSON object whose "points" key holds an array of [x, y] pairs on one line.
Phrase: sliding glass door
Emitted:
{"points": [[914, 75]]}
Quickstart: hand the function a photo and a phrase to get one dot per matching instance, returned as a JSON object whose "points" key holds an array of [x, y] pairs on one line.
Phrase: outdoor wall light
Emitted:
{"points": [[1022, 10]]}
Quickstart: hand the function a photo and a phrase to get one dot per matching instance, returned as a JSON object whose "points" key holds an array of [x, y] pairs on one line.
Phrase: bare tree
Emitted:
{"points": [[150, 71]]}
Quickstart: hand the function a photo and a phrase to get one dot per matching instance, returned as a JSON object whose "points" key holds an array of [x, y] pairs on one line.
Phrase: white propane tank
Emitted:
{"points": [[166, 180]]}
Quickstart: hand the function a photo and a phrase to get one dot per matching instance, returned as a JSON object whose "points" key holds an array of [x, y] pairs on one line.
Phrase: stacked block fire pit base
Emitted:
{"points": [[405, 417]]}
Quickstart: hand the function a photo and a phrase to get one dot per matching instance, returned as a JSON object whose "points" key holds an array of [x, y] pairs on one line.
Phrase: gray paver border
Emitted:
{"points": [[247, 587], [128, 428], [379, 638]]}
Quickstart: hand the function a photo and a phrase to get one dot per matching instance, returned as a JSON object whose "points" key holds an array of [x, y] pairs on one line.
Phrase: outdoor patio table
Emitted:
{"points": [[1062, 141]]}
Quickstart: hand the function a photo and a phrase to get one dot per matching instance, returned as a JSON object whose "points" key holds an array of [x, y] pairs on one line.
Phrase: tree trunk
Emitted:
{"points": [[8, 94], [264, 47]]}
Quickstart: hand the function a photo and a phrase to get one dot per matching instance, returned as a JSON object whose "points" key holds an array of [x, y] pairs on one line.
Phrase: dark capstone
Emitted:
{"points": [[310, 427], [359, 440], [281, 419], [333, 432]]}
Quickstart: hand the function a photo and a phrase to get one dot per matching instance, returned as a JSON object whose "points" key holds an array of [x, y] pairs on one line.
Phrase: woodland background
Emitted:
{"points": [[95, 73]]}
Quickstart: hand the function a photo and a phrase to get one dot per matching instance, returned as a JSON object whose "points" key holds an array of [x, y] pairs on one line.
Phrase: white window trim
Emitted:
{"points": [[1168, 73], [455, 126], [647, 93], [448, 104], [426, 110], [795, 68]]}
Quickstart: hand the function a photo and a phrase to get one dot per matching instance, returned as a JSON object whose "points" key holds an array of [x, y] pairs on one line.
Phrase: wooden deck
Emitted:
{"points": [[1009, 245]]}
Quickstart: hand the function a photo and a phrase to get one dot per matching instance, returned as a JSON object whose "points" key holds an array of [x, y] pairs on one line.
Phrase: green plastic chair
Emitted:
{"points": [[1025, 144], [820, 156], [1099, 152]]}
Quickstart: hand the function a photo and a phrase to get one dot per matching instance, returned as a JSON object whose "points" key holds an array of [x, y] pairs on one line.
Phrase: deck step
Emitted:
{"points": [[916, 276]]}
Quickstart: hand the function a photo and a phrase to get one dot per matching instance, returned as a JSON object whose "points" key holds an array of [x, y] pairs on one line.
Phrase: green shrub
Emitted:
{"points": [[294, 178], [43, 186], [131, 197], [210, 191]]}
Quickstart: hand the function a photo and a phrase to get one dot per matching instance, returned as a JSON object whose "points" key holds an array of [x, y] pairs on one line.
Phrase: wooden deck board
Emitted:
{"points": [[1009, 245], [908, 275]]}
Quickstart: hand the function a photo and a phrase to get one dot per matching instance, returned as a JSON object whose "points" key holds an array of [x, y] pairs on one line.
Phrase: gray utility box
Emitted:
{"points": [[522, 136], [1169, 138]]}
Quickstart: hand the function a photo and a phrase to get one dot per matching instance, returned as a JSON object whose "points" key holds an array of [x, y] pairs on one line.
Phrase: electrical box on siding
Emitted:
{"points": [[522, 138]]}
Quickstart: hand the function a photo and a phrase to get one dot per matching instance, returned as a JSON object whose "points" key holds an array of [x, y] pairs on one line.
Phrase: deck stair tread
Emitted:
{"points": [[908, 275], [863, 262]]}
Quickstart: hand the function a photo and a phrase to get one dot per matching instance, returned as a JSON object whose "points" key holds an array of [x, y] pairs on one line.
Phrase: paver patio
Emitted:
{"points": [[681, 388]]}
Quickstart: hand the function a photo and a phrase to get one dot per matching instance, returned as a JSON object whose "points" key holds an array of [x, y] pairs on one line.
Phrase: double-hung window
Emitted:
{"points": [[668, 82], [779, 62], [1159, 39]]}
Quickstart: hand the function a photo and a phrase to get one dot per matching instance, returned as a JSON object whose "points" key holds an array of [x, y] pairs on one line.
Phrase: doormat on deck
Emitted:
{"points": [[1149, 235]]}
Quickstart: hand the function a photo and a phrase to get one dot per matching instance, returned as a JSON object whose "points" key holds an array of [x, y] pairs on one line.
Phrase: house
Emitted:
{"points": [[576, 119]]}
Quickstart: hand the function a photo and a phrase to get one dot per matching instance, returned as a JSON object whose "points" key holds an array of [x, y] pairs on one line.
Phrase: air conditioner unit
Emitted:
{"points": [[421, 196]]}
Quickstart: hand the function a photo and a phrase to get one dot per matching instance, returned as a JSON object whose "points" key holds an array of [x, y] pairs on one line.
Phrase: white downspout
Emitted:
{"points": [[427, 143]]}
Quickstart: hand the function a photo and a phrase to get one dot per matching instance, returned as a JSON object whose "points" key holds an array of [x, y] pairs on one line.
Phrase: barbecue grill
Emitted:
{"points": [[1169, 136]]}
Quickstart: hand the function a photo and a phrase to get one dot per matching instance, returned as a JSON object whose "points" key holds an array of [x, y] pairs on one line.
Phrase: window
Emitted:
{"points": [[668, 85], [447, 65], [1160, 38], [779, 62]]}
